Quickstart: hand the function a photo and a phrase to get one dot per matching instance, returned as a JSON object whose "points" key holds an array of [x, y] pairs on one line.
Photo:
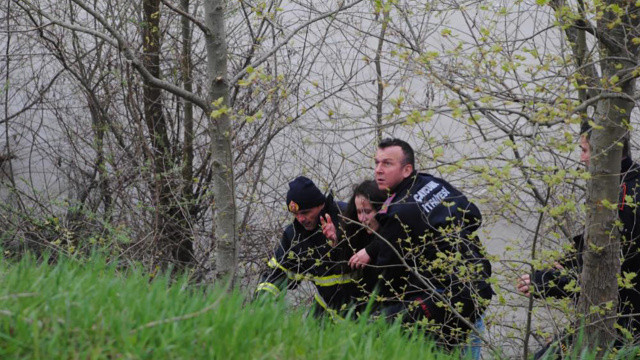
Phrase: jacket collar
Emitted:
{"points": [[405, 184]]}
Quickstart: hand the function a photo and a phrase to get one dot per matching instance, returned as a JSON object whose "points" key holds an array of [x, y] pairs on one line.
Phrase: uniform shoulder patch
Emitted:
{"points": [[429, 198], [420, 195]]}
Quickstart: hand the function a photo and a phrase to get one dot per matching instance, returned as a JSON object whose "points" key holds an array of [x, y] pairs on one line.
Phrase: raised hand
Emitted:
{"points": [[329, 229]]}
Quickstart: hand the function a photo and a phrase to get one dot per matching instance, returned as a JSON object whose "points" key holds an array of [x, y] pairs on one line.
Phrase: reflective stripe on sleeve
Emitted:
{"points": [[334, 314], [267, 286], [274, 264], [329, 280], [332, 279]]}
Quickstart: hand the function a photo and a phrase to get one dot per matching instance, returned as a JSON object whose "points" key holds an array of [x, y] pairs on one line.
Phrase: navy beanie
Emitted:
{"points": [[303, 194]]}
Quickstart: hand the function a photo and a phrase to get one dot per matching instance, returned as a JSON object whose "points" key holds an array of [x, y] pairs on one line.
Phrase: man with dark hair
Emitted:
{"points": [[407, 150], [433, 267], [562, 281], [305, 254]]}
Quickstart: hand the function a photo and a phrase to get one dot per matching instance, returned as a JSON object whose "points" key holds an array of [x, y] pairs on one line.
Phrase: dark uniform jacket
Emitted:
{"points": [[430, 225], [563, 283], [307, 255]]}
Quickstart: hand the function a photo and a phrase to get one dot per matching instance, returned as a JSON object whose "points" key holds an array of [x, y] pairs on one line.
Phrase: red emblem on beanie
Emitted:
{"points": [[293, 207]]}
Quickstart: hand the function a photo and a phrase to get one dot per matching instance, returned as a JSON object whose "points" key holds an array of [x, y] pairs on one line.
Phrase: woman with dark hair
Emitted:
{"points": [[361, 212], [359, 216], [355, 232]]}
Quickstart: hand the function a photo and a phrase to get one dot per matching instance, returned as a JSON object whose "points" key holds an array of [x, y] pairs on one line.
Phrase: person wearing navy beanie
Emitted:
{"points": [[305, 201], [304, 253]]}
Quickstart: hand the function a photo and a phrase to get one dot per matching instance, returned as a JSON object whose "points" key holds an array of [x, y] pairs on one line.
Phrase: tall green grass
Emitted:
{"points": [[91, 310]]}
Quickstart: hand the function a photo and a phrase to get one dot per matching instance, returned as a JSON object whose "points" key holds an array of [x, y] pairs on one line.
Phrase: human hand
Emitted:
{"points": [[524, 284], [359, 259], [329, 229]]}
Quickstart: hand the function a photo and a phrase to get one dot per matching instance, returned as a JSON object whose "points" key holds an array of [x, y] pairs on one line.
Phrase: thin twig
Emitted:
{"points": [[14, 296], [178, 318]]}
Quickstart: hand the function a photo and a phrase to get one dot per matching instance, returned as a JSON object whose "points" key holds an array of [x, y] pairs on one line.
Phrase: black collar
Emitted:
{"points": [[405, 184]]}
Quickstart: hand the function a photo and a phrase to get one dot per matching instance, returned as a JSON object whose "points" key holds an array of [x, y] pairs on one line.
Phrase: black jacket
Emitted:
{"points": [[563, 283], [306, 255], [431, 226]]}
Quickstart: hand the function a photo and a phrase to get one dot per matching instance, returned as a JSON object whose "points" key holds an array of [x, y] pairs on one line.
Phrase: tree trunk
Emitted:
{"points": [[171, 241], [226, 253], [599, 297], [187, 79], [602, 240]]}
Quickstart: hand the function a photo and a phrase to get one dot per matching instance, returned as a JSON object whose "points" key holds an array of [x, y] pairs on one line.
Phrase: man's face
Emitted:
{"points": [[390, 168], [585, 155], [308, 218]]}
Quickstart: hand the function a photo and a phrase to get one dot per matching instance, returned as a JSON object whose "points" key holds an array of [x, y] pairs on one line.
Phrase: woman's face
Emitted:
{"points": [[366, 213]]}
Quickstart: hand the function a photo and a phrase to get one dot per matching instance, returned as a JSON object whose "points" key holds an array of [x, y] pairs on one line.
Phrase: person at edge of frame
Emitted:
{"points": [[359, 224], [432, 266], [561, 281], [304, 253]]}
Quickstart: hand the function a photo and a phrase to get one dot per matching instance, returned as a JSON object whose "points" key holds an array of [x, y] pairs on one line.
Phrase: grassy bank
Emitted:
{"points": [[92, 311]]}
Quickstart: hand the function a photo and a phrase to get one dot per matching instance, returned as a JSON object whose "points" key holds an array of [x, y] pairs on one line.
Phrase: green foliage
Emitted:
{"points": [[92, 311], [74, 231]]}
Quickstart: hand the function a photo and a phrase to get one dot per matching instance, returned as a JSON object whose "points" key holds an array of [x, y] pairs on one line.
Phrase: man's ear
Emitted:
{"points": [[407, 169]]}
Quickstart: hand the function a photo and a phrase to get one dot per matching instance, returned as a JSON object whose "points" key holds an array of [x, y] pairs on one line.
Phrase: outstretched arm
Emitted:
{"points": [[277, 276]]}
